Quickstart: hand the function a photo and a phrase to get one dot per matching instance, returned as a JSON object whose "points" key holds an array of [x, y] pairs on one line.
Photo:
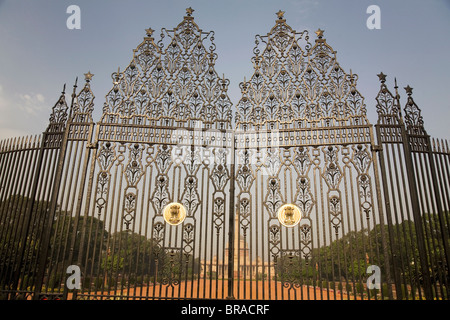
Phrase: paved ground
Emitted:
{"points": [[212, 289]]}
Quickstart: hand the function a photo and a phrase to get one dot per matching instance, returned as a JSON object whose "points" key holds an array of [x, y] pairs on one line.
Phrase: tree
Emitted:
{"points": [[16, 238]]}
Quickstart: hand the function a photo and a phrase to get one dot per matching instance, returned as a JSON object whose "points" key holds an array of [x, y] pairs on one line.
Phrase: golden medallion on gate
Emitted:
{"points": [[174, 213], [289, 215]]}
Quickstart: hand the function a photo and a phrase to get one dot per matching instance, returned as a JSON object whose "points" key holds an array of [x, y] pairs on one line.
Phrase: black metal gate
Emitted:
{"points": [[165, 198]]}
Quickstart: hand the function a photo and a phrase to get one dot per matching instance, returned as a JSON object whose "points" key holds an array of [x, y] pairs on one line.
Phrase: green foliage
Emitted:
{"points": [[346, 259], [112, 263], [15, 239], [55, 280], [357, 268], [128, 257]]}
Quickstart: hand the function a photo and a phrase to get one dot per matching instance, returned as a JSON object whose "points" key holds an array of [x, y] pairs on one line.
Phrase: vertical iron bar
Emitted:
{"points": [[438, 201], [443, 183], [29, 211], [16, 202], [405, 230], [231, 226], [427, 207], [81, 195], [42, 256], [387, 207], [8, 201], [21, 201], [416, 213]]}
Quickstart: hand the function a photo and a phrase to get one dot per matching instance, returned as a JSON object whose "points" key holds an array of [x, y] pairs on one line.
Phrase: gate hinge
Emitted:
{"points": [[92, 145], [377, 148]]}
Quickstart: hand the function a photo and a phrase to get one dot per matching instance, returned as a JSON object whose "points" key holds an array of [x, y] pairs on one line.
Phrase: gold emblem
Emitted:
{"points": [[174, 213], [289, 215]]}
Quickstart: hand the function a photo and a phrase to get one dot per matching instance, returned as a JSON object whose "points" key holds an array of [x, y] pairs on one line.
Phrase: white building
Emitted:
{"points": [[244, 267]]}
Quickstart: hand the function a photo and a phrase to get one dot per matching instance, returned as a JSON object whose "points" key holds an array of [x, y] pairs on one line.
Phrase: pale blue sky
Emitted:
{"points": [[38, 54]]}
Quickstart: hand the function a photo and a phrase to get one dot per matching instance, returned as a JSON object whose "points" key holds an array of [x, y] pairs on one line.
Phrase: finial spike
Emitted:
{"points": [[75, 86], [381, 77], [280, 14], [408, 90], [149, 32], [88, 76], [319, 33], [189, 11]]}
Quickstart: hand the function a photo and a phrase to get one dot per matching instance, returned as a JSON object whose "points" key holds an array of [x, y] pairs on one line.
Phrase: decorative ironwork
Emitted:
{"points": [[244, 174], [160, 196], [413, 117], [306, 239], [171, 268], [290, 267], [84, 103], [295, 82], [60, 110], [220, 174], [133, 170], [172, 82], [274, 198]]}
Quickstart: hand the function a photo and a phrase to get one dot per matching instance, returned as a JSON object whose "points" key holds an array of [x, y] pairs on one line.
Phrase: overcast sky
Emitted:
{"points": [[38, 53]]}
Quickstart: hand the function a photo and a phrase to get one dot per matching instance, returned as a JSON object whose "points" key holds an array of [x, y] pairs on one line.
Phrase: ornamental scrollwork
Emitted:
{"points": [[274, 199], [362, 158], [219, 213], [172, 81], [332, 173], [295, 80], [84, 101], [160, 196], [289, 268], [413, 115], [134, 170], [306, 239], [191, 198], [59, 112], [387, 104], [245, 176]]}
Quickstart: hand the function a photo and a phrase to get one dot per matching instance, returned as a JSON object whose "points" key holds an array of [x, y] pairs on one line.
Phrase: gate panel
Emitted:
{"points": [[19, 170], [67, 194], [29, 172], [338, 236], [416, 204], [153, 223], [304, 143], [142, 253]]}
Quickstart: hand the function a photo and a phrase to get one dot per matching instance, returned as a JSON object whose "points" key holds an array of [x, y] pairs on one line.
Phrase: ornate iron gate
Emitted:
{"points": [[164, 198]]}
